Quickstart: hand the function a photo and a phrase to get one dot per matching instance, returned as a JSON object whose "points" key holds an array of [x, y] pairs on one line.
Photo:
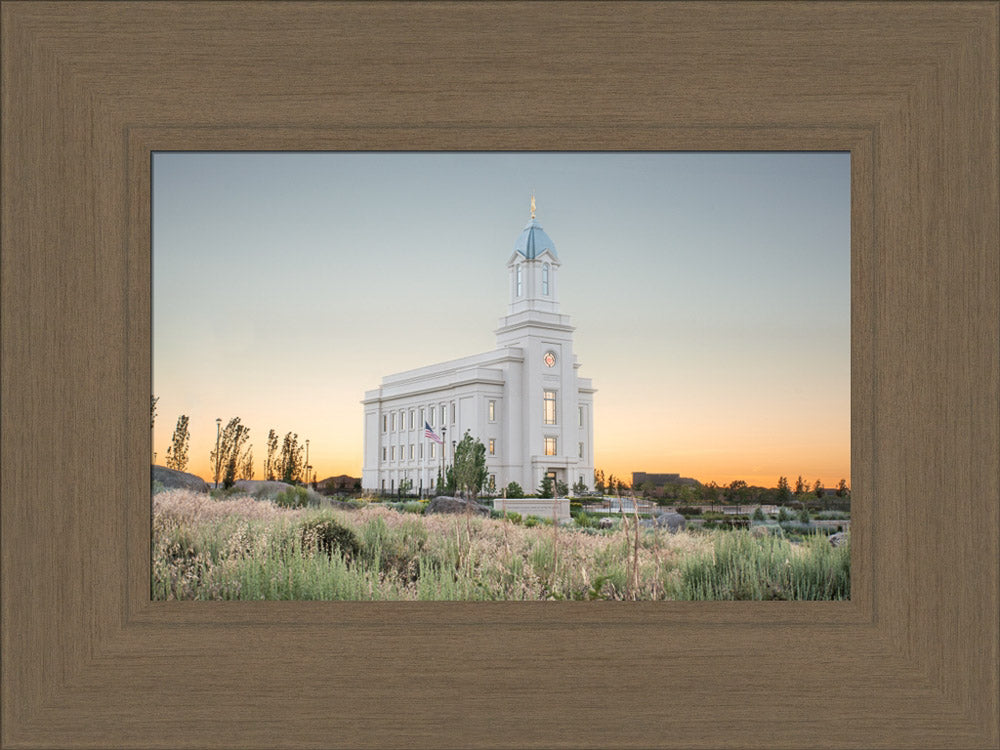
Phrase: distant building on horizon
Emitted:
{"points": [[524, 400]]}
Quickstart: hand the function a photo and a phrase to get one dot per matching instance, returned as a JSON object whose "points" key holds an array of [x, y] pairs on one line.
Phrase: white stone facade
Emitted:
{"points": [[524, 400]]}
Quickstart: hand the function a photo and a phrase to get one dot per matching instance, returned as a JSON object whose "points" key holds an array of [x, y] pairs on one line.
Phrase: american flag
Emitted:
{"points": [[429, 433]]}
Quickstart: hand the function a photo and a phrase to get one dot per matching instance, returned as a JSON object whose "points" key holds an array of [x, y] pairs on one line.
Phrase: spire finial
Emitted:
{"points": [[532, 205]]}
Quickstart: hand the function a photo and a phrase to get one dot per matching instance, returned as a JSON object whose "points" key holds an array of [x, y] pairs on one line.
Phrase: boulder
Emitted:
{"points": [[442, 504], [763, 530], [838, 539], [173, 479], [673, 521], [606, 523]]}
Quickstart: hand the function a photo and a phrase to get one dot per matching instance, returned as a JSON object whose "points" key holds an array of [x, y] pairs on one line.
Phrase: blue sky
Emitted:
{"points": [[710, 291]]}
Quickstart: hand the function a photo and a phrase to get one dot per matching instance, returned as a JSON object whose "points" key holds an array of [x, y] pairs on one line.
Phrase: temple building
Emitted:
{"points": [[524, 400]]}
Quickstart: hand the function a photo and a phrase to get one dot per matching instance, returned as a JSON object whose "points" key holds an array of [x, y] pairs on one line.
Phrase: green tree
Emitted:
{"points": [[818, 489], [800, 486], [177, 453], [842, 490], [580, 487], [784, 494], [439, 489], [246, 468], [562, 489], [290, 462], [647, 488], [450, 483], [231, 456], [710, 493], [599, 481], [736, 491], [513, 490], [470, 465], [405, 485], [270, 463], [152, 410], [611, 483], [546, 489]]}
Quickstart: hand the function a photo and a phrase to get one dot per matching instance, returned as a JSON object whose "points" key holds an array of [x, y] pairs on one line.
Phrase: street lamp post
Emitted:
{"points": [[218, 433], [307, 462]]}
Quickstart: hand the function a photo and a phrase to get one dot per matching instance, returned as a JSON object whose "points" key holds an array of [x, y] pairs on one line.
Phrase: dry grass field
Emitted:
{"points": [[245, 548]]}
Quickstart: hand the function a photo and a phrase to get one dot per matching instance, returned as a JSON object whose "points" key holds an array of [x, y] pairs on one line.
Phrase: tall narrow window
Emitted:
{"points": [[420, 450], [580, 410], [549, 407], [384, 449], [518, 279], [453, 412], [545, 279], [392, 421], [581, 450], [385, 423], [493, 446], [493, 411], [392, 453], [431, 413], [421, 417], [411, 418], [550, 446], [432, 449], [442, 415]]}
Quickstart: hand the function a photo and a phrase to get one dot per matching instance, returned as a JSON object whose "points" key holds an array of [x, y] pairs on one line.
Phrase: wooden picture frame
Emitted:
{"points": [[91, 89]]}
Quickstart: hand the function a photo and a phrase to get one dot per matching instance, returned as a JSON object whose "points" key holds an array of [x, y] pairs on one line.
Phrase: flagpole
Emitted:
{"points": [[444, 441]]}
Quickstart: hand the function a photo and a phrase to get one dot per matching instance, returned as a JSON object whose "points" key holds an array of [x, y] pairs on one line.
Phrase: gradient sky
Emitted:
{"points": [[710, 295]]}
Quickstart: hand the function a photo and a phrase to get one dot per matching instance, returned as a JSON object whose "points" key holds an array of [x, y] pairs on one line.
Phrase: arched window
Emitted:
{"points": [[518, 279], [545, 279]]}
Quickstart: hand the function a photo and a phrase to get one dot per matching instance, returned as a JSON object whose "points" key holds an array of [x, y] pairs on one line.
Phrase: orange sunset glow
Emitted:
{"points": [[710, 295]]}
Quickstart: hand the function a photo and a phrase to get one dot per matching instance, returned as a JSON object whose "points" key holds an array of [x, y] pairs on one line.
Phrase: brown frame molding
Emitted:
{"points": [[90, 89]]}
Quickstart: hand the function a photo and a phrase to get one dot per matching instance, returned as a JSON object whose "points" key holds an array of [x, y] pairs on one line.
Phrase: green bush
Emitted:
{"points": [[225, 493], [531, 521], [158, 487], [758, 515], [783, 515], [514, 490], [293, 497], [803, 516], [688, 510], [328, 536], [514, 517]]}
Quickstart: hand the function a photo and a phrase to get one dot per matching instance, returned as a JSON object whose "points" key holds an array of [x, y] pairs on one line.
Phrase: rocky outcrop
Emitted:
{"points": [[173, 479]]}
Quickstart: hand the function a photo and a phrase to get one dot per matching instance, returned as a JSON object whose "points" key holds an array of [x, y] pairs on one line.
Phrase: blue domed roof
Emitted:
{"points": [[533, 241]]}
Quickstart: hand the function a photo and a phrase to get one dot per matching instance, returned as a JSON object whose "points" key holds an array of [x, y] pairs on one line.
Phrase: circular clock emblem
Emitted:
{"points": [[549, 359]]}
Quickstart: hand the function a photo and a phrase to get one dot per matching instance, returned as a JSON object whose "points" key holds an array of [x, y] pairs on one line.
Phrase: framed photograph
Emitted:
{"points": [[704, 296], [92, 91]]}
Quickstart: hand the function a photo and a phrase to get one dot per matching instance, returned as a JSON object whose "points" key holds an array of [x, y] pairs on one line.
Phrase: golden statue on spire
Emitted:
{"points": [[532, 205]]}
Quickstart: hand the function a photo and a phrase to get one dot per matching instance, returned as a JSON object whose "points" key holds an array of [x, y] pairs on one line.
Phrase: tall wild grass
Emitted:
{"points": [[243, 548]]}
